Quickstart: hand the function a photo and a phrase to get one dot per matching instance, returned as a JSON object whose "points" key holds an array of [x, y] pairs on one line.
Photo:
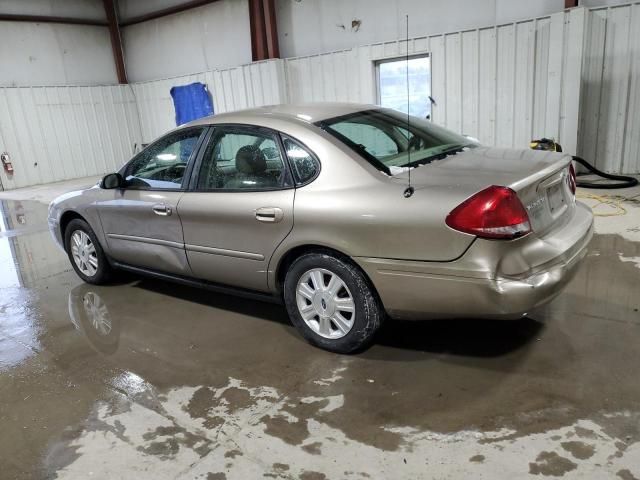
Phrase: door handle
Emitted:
{"points": [[161, 209], [269, 214]]}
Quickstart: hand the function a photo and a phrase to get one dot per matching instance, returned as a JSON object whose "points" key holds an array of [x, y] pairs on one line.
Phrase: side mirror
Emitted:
{"points": [[111, 181]]}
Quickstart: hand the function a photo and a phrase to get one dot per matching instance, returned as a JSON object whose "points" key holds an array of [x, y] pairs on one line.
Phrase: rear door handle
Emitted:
{"points": [[269, 214], [161, 209]]}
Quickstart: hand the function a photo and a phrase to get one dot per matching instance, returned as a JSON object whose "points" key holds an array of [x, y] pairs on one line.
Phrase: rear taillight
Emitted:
{"points": [[495, 212], [572, 178]]}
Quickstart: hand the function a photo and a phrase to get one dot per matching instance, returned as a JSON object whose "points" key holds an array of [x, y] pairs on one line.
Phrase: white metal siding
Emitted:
{"points": [[573, 76], [315, 26], [610, 105], [216, 35], [53, 53], [504, 85], [256, 84], [59, 133]]}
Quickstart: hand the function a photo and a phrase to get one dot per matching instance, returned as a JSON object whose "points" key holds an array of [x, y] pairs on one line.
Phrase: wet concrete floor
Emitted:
{"points": [[143, 379]]}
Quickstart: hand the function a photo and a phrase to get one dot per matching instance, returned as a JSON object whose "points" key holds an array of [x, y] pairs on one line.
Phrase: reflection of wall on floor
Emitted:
{"points": [[27, 250], [10, 276]]}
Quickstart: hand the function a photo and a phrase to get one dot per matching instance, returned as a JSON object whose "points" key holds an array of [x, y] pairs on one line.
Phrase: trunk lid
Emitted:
{"points": [[539, 178]]}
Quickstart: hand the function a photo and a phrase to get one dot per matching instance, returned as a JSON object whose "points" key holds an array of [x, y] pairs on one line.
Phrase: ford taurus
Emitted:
{"points": [[346, 213]]}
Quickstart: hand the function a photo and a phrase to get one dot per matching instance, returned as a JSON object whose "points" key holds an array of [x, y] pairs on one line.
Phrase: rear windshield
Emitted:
{"points": [[383, 138]]}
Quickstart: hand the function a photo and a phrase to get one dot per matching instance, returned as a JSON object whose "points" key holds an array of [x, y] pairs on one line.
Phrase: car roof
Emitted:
{"points": [[299, 112]]}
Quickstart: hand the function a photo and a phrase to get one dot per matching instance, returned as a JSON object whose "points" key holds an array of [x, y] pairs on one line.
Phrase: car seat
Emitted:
{"points": [[251, 167]]}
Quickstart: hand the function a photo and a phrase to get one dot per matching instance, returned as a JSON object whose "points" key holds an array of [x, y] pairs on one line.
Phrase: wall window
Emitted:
{"points": [[304, 164], [242, 159], [392, 85], [163, 164]]}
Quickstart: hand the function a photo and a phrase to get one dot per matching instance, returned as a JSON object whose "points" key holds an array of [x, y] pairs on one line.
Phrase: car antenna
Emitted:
{"points": [[408, 192]]}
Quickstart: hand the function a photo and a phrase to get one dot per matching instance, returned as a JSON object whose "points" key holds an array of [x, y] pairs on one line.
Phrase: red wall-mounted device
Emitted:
{"points": [[6, 163]]}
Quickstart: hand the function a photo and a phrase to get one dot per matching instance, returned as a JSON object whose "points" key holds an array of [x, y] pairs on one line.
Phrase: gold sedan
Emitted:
{"points": [[346, 213]]}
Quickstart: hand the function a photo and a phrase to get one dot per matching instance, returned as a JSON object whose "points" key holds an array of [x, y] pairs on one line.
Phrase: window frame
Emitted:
{"points": [[413, 56], [242, 128], [204, 130], [315, 158]]}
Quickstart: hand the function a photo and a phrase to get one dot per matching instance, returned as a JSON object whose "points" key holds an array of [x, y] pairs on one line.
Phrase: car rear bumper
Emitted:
{"points": [[491, 280]]}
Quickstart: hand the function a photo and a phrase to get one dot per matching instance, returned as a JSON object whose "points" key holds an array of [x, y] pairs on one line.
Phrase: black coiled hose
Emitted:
{"points": [[622, 181]]}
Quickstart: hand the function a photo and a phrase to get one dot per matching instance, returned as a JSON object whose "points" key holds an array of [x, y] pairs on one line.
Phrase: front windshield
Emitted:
{"points": [[383, 138]]}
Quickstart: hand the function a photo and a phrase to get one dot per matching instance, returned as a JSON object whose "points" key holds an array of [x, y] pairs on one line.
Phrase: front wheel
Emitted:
{"points": [[86, 254], [331, 303]]}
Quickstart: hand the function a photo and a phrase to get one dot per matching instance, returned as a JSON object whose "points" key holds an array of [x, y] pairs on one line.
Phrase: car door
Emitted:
{"points": [[240, 207], [140, 221]]}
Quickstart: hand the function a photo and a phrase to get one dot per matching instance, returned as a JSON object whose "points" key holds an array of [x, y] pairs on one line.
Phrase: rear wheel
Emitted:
{"points": [[86, 254], [331, 303]]}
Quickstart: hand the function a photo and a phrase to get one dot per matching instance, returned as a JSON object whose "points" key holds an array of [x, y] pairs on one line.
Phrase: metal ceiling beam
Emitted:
{"points": [[166, 11], [5, 17], [110, 8]]}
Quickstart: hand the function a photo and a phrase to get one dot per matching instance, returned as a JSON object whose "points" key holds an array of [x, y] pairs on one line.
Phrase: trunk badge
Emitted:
{"points": [[535, 205]]}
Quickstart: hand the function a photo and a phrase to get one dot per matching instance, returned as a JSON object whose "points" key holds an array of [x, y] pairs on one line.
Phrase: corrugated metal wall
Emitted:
{"points": [[610, 104], [59, 133], [256, 84], [573, 76], [504, 85]]}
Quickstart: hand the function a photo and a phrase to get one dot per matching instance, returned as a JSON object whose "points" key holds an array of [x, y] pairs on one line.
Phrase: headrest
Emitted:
{"points": [[250, 160]]}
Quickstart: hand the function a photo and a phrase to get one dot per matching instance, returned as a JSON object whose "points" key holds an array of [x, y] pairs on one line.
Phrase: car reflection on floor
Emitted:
{"points": [[89, 313]]}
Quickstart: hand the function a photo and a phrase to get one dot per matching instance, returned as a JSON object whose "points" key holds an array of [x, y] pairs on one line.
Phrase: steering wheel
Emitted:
{"points": [[174, 172]]}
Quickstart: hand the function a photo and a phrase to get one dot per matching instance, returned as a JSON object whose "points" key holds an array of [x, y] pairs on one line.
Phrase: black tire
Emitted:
{"points": [[369, 313], [103, 271]]}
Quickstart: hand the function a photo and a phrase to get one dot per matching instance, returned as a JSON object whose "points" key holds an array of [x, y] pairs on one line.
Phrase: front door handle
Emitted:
{"points": [[269, 214], [161, 209]]}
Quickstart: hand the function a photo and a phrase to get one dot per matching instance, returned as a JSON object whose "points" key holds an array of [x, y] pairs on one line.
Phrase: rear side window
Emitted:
{"points": [[305, 166]]}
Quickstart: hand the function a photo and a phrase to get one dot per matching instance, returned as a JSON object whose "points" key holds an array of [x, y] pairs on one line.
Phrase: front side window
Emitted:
{"points": [[163, 164], [305, 166], [383, 137], [242, 159]]}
